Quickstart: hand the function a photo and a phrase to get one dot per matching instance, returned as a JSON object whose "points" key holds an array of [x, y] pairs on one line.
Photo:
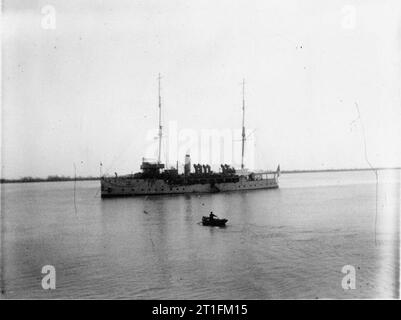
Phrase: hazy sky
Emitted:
{"points": [[85, 91]]}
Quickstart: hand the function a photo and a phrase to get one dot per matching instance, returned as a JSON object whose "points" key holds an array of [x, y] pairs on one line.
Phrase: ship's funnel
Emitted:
{"points": [[187, 165]]}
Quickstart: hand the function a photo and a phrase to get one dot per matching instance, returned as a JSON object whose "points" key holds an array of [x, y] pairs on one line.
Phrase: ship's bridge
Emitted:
{"points": [[151, 166]]}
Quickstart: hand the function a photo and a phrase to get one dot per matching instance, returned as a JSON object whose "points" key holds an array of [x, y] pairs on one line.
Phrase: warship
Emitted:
{"points": [[155, 179]]}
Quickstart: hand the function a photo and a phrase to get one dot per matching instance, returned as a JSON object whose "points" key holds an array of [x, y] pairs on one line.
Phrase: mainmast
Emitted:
{"points": [[243, 123], [160, 123]]}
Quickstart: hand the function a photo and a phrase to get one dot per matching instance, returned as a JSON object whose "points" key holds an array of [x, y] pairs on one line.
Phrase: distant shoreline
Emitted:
{"points": [[63, 178], [49, 179], [339, 170]]}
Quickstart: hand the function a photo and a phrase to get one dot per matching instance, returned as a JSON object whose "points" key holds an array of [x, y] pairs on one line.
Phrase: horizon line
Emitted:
{"points": [[57, 178]]}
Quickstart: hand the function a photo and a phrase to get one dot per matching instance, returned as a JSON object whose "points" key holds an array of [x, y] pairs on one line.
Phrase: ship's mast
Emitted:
{"points": [[243, 123], [160, 123]]}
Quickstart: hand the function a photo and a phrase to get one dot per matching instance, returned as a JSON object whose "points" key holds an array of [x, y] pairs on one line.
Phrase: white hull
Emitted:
{"points": [[124, 187]]}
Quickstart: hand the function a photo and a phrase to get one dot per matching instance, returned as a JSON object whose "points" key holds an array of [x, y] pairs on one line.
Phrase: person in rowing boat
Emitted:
{"points": [[211, 216]]}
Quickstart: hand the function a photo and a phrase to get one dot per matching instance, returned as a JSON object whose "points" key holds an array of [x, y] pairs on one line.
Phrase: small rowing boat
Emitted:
{"points": [[207, 221]]}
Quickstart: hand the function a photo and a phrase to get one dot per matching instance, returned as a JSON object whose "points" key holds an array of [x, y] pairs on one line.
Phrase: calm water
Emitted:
{"points": [[285, 243]]}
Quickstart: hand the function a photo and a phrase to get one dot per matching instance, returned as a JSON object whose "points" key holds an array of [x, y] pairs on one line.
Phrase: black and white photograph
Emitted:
{"points": [[198, 150]]}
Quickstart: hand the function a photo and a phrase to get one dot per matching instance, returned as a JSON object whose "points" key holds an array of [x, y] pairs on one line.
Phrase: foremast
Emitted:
{"points": [[243, 124], [160, 124]]}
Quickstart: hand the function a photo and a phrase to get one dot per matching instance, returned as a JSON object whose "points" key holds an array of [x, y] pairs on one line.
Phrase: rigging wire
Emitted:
{"points": [[370, 165], [75, 184]]}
